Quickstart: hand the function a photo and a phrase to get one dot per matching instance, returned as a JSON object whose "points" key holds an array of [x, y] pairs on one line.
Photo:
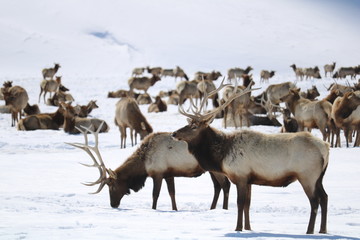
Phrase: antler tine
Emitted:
{"points": [[89, 150], [234, 95], [183, 112]]}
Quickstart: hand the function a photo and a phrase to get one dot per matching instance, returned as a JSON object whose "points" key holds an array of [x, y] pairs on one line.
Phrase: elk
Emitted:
{"points": [[138, 72], [154, 71], [311, 93], [211, 76], [142, 83], [265, 75], [346, 115], [118, 94], [238, 106], [248, 157], [31, 109], [158, 106], [187, 89], [160, 157], [233, 73], [142, 99], [49, 86], [290, 123], [50, 72], [16, 98], [51, 121], [273, 94], [299, 72], [329, 68], [85, 110], [345, 71], [312, 73], [309, 114], [72, 122], [208, 86], [167, 73], [179, 72], [60, 95], [128, 115]]}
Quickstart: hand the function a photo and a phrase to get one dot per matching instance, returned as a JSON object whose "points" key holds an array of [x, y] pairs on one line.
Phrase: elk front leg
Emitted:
{"points": [[241, 199], [156, 190], [171, 189]]}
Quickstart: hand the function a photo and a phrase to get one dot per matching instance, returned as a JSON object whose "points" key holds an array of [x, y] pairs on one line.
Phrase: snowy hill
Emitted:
{"points": [[98, 43]]}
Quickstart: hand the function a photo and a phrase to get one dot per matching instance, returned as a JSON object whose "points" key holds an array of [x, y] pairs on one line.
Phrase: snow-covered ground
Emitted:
{"points": [[97, 44]]}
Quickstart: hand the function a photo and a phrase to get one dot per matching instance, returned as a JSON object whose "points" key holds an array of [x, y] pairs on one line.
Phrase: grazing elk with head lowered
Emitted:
{"points": [[248, 157], [16, 98], [160, 157], [50, 72], [128, 115]]}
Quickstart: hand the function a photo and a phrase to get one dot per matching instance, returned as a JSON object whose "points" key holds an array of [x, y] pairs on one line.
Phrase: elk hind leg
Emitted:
{"points": [[241, 199], [171, 189], [156, 190]]}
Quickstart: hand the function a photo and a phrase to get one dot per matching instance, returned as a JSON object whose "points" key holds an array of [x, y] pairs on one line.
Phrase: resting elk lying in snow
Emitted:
{"points": [[51, 121], [248, 157], [16, 98], [85, 110], [160, 157], [72, 122], [128, 115]]}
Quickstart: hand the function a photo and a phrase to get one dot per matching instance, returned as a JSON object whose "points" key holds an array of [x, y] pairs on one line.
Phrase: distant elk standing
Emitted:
{"points": [[16, 98], [154, 71], [265, 75], [299, 72], [329, 68], [50, 72], [236, 73], [138, 72], [142, 83], [128, 115], [50, 86], [179, 72]]}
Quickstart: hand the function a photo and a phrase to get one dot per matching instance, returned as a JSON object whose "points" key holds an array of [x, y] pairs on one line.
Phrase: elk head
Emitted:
{"points": [[117, 187], [198, 122]]}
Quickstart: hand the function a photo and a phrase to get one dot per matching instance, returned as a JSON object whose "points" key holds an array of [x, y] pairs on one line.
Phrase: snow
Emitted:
{"points": [[98, 44]]}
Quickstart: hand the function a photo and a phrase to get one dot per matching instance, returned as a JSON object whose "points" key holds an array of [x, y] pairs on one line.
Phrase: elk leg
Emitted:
{"points": [[323, 204], [241, 198], [313, 195], [171, 189], [247, 208], [217, 189], [156, 190], [132, 136], [226, 190], [41, 91]]}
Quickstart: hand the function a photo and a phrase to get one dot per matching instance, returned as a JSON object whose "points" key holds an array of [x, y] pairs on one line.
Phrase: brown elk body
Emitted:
{"points": [[312, 73], [49, 86], [311, 93], [142, 83], [50, 72], [72, 123], [128, 115], [158, 106], [299, 72], [154, 71], [51, 121], [346, 115], [248, 157], [160, 157], [179, 72], [234, 73], [31, 109], [309, 114], [16, 98], [85, 110], [266, 75], [118, 94], [187, 89], [329, 68]]}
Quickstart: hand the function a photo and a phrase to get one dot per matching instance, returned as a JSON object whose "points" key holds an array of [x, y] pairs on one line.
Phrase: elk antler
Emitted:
{"points": [[103, 179], [199, 117]]}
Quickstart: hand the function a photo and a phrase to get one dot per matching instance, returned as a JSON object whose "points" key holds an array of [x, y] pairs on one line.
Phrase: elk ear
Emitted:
{"points": [[143, 127]]}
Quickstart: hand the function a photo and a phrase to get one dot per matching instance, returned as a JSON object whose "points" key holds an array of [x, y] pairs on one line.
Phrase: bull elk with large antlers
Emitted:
{"points": [[160, 157], [248, 157]]}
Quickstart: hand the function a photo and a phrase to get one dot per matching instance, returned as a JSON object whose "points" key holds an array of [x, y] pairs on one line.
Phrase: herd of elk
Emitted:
{"points": [[241, 157]]}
